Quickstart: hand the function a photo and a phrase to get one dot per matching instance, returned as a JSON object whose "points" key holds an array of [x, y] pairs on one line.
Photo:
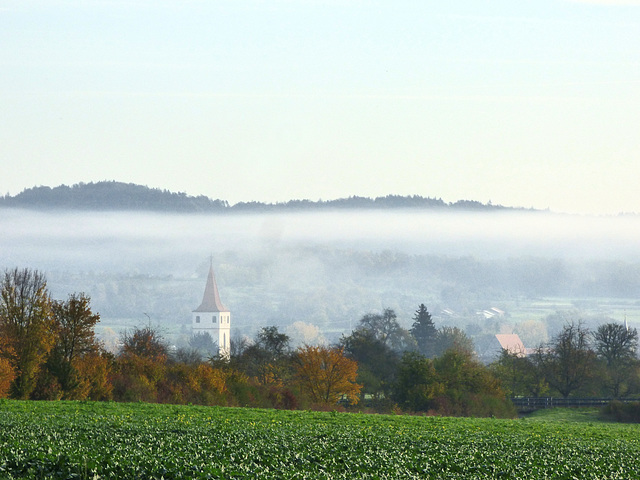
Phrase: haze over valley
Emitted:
{"points": [[315, 274]]}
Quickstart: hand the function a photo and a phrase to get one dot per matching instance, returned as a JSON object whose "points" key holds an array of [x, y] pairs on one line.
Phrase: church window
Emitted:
{"points": [[213, 319], [197, 318]]}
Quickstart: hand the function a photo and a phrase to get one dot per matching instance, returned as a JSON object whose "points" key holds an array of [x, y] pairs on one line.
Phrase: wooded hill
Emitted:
{"points": [[112, 195]]}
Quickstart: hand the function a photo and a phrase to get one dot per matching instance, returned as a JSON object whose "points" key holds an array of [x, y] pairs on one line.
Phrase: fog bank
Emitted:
{"points": [[117, 241], [321, 272]]}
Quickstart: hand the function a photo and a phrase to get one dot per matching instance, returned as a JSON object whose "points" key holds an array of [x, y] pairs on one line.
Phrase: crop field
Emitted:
{"points": [[78, 440]]}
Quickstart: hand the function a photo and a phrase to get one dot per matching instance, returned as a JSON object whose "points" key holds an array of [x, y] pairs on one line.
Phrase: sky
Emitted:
{"points": [[520, 103]]}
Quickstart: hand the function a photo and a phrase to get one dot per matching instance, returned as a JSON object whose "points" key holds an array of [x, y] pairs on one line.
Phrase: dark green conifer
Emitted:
{"points": [[424, 331]]}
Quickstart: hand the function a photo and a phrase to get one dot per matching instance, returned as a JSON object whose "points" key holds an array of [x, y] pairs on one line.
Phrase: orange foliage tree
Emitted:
{"points": [[6, 370], [267, 360], [26, 326], [94, 369], [140, 365], [201, 384], [326, 375]]}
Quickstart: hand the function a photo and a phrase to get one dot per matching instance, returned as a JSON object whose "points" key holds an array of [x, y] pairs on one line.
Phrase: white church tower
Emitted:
{"points": [[212, 317]]}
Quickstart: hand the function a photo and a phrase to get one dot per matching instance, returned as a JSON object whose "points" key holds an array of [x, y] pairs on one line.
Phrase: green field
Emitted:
{"points": [[68, 440]]}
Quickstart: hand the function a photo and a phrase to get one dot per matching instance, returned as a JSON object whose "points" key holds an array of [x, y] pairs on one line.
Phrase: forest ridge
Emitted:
{"points": [[112, 195]]}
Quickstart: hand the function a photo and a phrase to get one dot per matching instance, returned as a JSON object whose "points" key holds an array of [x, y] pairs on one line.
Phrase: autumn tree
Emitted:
{"points": [[424, 331], [615, 343], [326, 375], [75, 338], [274, 343], [144, 342], [452, 338], [95, 368], [7, 374], [417, 387], [470, 388], [377, 362], [26, 326], [189, 356], [140, 365], [385, 328], [568, 361], [266, 360], [616, 346], [451, 384], [200, 384], [519, 374], [376, 344]]}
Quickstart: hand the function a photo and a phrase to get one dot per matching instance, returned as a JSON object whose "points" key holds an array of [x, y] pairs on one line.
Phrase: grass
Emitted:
{"points": [[567, 415], [66, 440]]}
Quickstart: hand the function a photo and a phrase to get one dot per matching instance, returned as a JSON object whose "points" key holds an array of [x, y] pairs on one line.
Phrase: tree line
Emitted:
{"points": [[576, 362], [48, 350], [111, 195]]}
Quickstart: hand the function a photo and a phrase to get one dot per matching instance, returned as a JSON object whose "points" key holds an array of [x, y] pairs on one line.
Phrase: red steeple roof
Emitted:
{"points": [[211, 298]]}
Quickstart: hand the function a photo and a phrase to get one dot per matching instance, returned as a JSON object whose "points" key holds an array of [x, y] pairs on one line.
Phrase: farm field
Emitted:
{"points": [[65, 440]]}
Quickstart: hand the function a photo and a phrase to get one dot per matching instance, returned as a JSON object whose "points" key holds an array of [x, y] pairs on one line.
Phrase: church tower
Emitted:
{"points": [[212, 317]]}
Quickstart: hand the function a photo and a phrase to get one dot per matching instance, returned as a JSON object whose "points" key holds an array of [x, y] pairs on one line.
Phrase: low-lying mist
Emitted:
{"points": [[120, 241], [323, 269]]}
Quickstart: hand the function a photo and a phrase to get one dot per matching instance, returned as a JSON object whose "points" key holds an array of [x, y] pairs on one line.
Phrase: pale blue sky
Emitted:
{"points": [[522, 103]]}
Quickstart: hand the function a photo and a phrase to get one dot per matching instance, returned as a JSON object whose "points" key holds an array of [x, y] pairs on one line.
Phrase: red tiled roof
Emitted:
{"points": [[511, 342]]}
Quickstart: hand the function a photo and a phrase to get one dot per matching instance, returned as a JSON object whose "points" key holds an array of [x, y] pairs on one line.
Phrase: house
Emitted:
{"points": [[511, 343]]}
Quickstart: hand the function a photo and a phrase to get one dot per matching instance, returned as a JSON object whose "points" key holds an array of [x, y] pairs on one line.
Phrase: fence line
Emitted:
{"points": [[536, 403]]}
